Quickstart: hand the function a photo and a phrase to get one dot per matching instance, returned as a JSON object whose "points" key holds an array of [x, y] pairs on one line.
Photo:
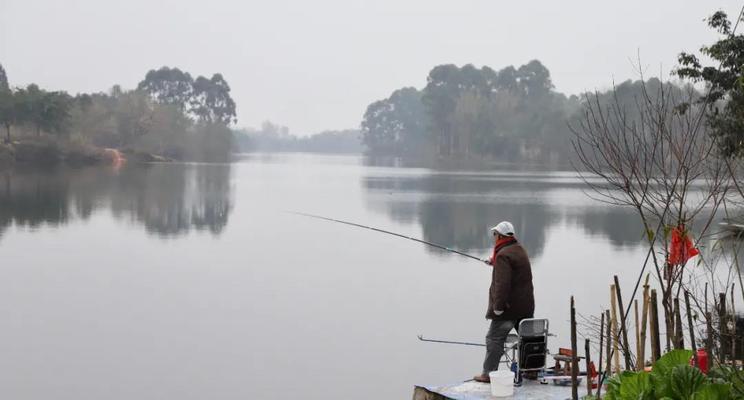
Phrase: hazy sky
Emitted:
{"points": [[314, 65]]}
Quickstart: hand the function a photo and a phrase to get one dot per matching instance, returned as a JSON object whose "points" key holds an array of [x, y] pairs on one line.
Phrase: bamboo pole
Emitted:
{"points": [[693, 344], [608, 344], [637, 330], [644, 319], [679, 337], [655, 341], [574, 355], [623, 325], [615, 337], [588, 367]]}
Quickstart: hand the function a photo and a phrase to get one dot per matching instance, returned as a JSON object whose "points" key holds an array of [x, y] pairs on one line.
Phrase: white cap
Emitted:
{"points": [[504, 228]]}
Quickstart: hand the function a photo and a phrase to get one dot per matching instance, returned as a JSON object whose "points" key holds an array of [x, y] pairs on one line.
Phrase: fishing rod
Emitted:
{"points": [[438, 246], [421, 338]]}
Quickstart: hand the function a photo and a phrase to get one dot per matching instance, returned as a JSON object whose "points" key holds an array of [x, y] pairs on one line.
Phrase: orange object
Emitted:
{"points": [[681, 248], [565, 352]]}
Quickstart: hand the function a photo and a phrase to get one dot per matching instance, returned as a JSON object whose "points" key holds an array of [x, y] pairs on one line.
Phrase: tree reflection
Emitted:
{"points": [[168, 199], [457, 209]]}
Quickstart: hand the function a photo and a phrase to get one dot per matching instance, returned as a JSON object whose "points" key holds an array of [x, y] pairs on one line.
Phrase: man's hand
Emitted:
{"points": [[487, 261]]}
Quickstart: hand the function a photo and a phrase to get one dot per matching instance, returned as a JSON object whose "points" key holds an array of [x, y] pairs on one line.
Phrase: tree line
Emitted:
{"points": [[513, 114], [169, 114]]}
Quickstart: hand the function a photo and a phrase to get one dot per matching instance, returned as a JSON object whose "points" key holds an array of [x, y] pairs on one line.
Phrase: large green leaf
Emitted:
{"points": [[682, 382], [664, 366], [713, 391], [630, 386]]}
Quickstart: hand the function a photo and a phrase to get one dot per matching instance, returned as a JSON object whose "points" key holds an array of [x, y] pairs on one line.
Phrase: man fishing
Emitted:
{"points": [[511, 296]]}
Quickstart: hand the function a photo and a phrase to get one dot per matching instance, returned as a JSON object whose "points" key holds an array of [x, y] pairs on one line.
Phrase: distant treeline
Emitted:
{"points": [[275, 138], [169, 114], [465, 112]]}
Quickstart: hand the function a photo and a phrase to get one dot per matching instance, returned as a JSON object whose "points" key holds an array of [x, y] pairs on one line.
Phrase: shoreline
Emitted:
{"points": [[50, 154]]}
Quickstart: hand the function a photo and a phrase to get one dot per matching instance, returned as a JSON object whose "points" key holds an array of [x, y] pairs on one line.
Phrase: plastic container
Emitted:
{"points": [[502, 383], [702, 359]]}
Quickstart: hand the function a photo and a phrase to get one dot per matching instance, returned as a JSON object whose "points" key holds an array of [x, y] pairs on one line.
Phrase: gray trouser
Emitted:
{"points": [[495, 339]]}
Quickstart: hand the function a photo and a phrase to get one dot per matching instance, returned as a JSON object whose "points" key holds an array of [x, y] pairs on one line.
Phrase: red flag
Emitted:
{"points": [[681, 248]]}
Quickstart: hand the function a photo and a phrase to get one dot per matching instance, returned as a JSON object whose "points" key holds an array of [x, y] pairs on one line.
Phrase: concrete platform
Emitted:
{"points": [[472, 390]]}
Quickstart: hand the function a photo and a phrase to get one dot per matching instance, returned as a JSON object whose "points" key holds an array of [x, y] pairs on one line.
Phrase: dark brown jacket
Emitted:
{"points": [[511, 285]]}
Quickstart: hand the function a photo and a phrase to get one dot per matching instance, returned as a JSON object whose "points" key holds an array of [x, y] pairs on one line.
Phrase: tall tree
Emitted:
{"points": [[534, 79], [55, 112], [7, 112], [445, 85], [396, 125], [168, 86], [3, 79], [725, 84], [211, 101]]}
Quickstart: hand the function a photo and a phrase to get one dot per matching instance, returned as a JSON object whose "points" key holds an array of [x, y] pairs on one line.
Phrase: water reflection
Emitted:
{"points": [[169, 199], [457, 209]]}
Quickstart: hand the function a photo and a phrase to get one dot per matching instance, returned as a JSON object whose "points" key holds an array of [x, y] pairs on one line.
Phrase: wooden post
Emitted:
{"points": [[668, 308], [679, 337], [588, 360], [722, 328], [615, 337], [693, 344], [623, 325], [574, 355], [654, 320], [709, 337], [644, 319], [601, 350], [732, 333]]}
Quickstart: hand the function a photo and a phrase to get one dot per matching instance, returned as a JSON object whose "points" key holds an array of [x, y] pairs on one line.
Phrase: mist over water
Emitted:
{"points": [[191, 281]]}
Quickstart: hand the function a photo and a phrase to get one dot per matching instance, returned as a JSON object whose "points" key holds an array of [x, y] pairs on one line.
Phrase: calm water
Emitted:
{"points": [[193, 282]]}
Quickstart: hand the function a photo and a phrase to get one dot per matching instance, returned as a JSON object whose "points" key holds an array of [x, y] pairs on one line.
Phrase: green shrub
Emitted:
{"points": [[672, 378]]}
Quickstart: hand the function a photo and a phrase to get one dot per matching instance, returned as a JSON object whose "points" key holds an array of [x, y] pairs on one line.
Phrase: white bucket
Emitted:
{"points": [[502, 383]]}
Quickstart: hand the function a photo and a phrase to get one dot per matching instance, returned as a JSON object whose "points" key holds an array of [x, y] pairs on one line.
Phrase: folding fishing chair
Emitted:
{"points": [[529, 348]]}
